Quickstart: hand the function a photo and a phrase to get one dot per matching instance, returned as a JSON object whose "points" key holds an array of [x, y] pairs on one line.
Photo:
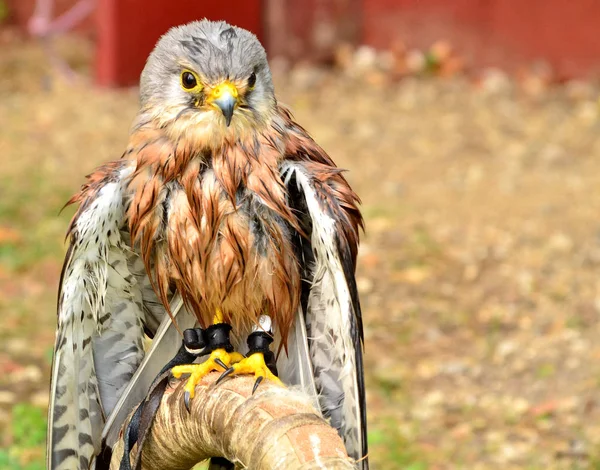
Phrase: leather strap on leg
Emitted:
{"points": [[259, 342], [193, 346]]}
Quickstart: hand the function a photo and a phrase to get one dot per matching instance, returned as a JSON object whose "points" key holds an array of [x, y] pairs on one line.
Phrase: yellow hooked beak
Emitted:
{"points": [[225, 96]]}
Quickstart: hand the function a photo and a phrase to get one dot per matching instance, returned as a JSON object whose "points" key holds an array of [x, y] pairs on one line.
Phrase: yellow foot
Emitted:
{"points": [[219, 359], [253, 364]]}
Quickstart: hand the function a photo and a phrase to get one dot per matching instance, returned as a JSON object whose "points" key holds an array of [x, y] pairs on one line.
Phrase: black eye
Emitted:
{"points": [[252, 80], [188, 80]]}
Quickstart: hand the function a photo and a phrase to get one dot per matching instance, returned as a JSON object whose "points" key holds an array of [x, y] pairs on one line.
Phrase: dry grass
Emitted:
{"points": [[478, 272]]}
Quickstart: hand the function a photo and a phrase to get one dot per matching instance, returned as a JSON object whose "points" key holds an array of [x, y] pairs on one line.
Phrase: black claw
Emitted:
{"points": [[221, 363], [257, 383], [224, 375], [186, 401]]}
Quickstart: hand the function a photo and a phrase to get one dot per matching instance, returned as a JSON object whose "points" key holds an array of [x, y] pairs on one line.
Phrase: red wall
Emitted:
{"points": [[129, 29], [310, 28], [486, 32], [494, 32]]}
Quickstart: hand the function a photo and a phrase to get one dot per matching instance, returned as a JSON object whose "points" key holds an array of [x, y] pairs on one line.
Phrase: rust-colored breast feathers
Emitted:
{"points": [[216, 226], [215, 223]]}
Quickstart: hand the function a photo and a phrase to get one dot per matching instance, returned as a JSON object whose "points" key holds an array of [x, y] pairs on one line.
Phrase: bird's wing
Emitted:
{"points": [[101, 315], [165, 344], [330, 306]]}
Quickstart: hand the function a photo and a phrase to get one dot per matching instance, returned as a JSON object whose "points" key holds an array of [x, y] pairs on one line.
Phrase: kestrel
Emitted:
{"points": [[223, 203]]}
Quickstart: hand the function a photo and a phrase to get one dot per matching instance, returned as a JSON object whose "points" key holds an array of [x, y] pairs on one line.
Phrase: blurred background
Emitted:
{"points": [[471, 130]]}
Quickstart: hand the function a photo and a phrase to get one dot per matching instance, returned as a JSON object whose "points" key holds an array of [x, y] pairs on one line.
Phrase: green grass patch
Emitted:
{"points": [[545, 371], [28, 436], [9, 460], [389, 449], [28, 426]]}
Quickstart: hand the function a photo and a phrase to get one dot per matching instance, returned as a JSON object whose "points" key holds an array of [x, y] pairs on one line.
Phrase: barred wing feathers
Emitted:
{"points": [[100, 321], [330, 303]]}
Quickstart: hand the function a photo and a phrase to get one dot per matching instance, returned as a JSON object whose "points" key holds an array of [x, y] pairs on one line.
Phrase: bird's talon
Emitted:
{"points": [[186, 401], [219, 359], [257, 383], [224, 375], [253, 364]]}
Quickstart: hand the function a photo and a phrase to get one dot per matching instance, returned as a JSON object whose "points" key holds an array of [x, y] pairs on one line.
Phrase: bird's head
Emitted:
{"points": [[207, 81]]}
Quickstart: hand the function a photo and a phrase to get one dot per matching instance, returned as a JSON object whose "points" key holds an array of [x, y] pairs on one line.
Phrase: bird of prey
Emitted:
{"points": [[223, 203]]}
